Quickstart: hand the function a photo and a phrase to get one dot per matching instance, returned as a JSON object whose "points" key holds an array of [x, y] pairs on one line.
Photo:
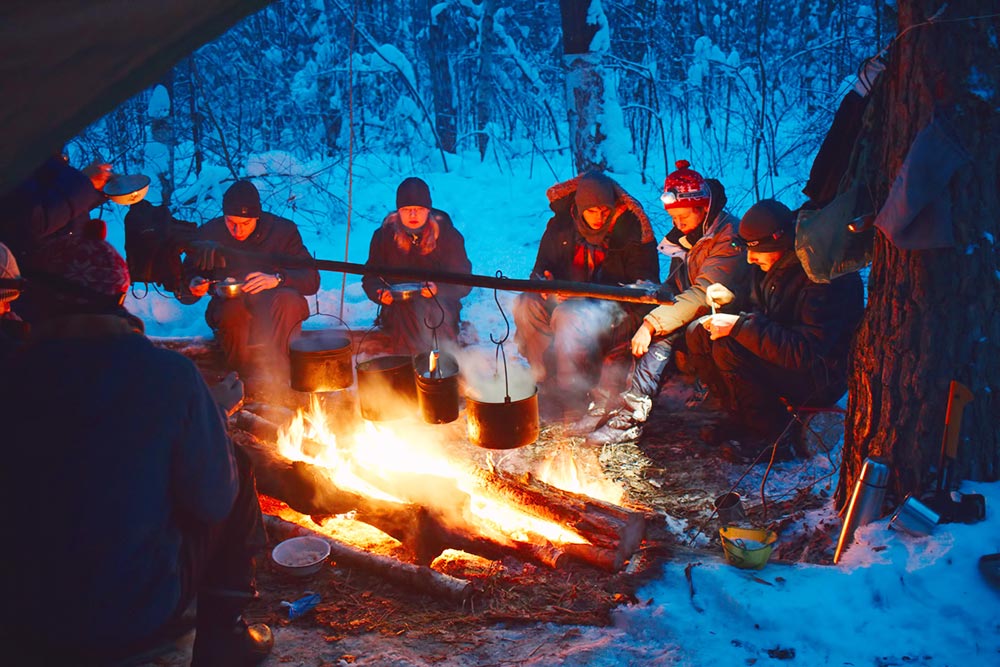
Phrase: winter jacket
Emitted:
{"points": [[798, 324], [113, 449], [630, 247], [56, 200], [713, 258], [437, 246], [273, 235]]}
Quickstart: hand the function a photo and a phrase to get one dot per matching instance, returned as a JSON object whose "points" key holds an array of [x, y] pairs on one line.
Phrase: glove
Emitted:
{"points": [[207, 255], [718, 295], [228, 394]]}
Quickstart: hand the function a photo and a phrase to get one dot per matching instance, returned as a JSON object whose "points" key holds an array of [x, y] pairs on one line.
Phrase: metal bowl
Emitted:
{"points": [[301, 556], [405, 291], [229, 288]]}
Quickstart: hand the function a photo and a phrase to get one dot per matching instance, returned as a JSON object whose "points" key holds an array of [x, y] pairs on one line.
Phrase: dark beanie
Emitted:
{"points": [[768, 226], [594, 189], [83, 269], [413, 192], [242, 200]]}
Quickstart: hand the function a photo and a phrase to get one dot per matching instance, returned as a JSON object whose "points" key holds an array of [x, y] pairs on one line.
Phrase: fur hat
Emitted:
{"points": [[242, 200], [768, 226], [685, 188], [8, 269], [594, 189], [84, 269], [413, 192]]}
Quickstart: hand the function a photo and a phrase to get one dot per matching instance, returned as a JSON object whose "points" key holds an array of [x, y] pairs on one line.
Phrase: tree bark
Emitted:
{"points": [[932, 315], [584, 86], [439, 56]]}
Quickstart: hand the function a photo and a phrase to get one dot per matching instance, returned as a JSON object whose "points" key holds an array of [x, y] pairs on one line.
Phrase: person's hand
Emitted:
{"points": [[207, 255], [385, 297], [428, 290], [720, 324], [546, 275], [228, 394], [99, 173], [258, 282], [641, 340], [870, 71], [718, 295], [198, 286]]}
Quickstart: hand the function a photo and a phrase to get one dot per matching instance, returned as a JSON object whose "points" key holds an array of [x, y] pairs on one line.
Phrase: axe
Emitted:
{"points": [[971, 507]]}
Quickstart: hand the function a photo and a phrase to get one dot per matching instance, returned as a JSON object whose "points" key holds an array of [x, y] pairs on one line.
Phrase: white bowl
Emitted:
{"points": [[301, 556], [127, 190]]}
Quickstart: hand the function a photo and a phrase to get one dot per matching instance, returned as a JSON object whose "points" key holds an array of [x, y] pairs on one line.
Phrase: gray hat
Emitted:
{"points": [[768, 226], [593, 190]]}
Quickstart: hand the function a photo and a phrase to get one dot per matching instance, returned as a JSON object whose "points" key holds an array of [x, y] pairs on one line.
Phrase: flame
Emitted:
{"points": [[565, 470], [381, 463]]}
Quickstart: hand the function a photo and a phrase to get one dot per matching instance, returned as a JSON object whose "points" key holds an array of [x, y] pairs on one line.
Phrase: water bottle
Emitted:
{"points": [[866, 501]]}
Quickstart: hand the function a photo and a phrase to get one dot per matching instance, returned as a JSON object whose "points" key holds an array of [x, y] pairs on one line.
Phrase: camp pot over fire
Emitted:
{"points": [[386, 388], [320, 361], [436, 375], [503, 425]]}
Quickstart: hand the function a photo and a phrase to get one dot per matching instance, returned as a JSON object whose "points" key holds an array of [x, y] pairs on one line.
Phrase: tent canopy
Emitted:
{"points": [[66, 63]]}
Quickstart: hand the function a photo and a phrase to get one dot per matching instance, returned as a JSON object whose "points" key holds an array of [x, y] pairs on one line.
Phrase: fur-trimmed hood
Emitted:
{"points": [[562, 196]]}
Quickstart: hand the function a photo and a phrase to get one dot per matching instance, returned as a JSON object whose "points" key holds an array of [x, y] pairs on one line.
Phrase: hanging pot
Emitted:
{"points": [[503, 425], [320, 361], [386, 388], [436, 375]]}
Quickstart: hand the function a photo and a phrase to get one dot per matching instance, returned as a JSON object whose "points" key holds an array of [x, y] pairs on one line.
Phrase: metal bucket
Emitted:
{"points": [[747, 548], [437, 389], [386, 389], [320, 361], [503, 425]]}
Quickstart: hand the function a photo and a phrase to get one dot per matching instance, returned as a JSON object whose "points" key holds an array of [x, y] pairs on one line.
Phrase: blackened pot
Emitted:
{"points": [[503, 425], [386, 388], [320, 361]]}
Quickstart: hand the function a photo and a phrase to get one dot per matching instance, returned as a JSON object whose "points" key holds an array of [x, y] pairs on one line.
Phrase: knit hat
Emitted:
{"points": [[84, 269], [8, 269], [594, 189], [242, 200], [685, 188], [768, 226], [413, 192]]}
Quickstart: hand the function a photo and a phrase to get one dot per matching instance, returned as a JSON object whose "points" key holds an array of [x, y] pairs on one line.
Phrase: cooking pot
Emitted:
{"points": [[436, 375], [503, 425], [320, 361], [386, 388]]}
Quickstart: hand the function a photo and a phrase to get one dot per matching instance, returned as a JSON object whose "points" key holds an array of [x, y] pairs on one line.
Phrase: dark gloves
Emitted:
{"points": [[207, 255]]}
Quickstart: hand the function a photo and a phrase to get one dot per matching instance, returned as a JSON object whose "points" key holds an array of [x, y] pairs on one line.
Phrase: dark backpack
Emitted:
{"points": [[154, 241]]}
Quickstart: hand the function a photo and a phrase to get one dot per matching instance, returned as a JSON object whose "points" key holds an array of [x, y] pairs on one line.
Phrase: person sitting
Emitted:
{"points": [[790, 348], [11, 326], [704, 253], [138, 501], [54, 201], [269, 305], [417, 236], [598, 234]]}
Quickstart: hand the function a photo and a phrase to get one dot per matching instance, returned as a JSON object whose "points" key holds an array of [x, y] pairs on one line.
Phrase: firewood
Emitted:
{"points": [[411, 576], [606, 526]]}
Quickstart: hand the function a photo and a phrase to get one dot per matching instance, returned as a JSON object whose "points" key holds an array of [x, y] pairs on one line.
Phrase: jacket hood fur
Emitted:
{"points": [[560, 200]]}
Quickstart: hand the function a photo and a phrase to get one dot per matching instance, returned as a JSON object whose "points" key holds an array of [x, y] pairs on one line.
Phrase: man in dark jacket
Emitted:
{"points": [[138, 500], [416, 236], [269, 303], [792, 346], [599, 234], [703, 254]]}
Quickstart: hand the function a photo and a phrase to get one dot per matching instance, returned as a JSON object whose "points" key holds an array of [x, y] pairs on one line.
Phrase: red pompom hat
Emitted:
{"points": [[685, 188], [85, 266]]}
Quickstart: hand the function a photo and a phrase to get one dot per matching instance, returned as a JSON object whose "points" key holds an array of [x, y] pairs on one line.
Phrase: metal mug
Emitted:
{"points": [[914, 517], [729, 507]]}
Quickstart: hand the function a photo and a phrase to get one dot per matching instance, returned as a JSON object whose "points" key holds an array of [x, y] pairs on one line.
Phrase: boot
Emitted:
{"points": [[223, 638], [596, 415], [626, 423]]}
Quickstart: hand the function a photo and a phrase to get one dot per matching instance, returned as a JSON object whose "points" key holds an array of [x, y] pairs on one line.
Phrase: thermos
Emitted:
{"points": [[866, 501]]}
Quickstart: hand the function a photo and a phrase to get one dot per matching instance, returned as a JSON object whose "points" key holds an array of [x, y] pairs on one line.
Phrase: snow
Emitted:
{"points": [[893, 599]]}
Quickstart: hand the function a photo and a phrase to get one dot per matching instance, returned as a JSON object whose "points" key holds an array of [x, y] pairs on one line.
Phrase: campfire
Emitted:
{"points": [[426, 491]]}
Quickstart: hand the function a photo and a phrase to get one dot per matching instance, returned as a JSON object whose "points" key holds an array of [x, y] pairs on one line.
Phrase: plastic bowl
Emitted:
{"points": [[747, 548], [301, 556], [127, 190]]}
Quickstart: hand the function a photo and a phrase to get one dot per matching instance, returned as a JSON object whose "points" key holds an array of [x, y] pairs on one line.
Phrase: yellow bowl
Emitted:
{"points": [[748, 548]]}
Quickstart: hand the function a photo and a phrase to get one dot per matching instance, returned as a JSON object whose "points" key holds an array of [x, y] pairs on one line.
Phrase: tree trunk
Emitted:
{"points": [[439, 60], [485, 87], [932, 315], [584, 86]]}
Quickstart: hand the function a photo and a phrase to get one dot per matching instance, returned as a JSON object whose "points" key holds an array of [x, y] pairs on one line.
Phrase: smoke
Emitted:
{"points": [[582, 325], [483, 374]]}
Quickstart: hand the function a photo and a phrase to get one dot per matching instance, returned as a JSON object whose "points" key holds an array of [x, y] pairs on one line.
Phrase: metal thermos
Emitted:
{"points": [[866, 501]]}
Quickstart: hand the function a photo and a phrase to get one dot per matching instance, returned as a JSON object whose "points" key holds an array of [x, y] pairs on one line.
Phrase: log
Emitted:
{"points": [[608, 527], [407, 575]]}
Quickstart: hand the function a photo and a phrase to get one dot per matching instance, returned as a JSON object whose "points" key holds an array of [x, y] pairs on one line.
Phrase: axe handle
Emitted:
{"points": [[958, 397]]}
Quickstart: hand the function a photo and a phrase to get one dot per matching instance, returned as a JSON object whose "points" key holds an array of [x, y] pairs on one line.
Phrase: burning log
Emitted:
{"points": [[614, 532], [417, 577]]}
